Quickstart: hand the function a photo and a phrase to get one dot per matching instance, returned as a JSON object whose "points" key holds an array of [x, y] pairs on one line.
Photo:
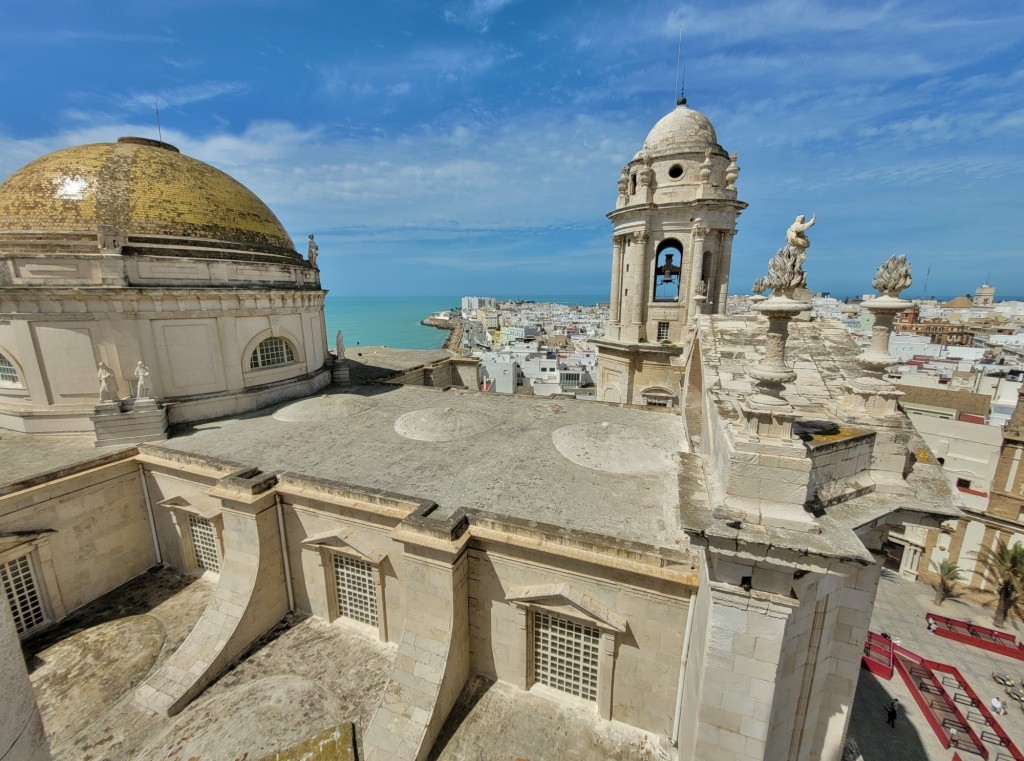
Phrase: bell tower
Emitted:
{"points": [[673, 224]]}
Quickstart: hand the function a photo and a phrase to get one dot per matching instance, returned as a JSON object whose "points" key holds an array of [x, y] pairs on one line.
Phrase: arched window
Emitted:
{"points": [[8, 372], [668, 267], [271, 351]]}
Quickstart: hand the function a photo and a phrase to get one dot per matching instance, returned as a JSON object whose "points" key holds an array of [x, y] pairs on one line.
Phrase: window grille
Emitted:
{"points": [[662, 331], [357, 594], [22, 594], [204, 543], [8, 373], [565, 655], [271, 351], [656, 401]]}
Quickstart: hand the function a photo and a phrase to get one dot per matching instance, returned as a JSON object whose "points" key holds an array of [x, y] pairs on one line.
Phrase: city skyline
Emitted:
{"points": [[474, 146]]}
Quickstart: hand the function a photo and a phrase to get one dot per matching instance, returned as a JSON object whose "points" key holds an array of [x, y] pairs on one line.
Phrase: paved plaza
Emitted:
{"points": [[899, 610]]}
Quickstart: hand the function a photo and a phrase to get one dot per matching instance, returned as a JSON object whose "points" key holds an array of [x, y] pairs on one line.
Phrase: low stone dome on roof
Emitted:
{"points": [[960, 302], [144, 188], [682, 130], [444, 424]]}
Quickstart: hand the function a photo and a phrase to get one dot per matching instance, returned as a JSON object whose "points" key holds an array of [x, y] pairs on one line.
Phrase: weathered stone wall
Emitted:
{"points": [[647, 657], [689, 717], [96, 532]]}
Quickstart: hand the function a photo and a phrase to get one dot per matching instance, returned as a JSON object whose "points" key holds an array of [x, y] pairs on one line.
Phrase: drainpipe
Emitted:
{"points": [[284, 554], [149, 512], [682, 670]]}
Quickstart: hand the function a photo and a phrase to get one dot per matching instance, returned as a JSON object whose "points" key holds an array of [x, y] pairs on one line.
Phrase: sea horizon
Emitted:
{"points": [[395, 320]]}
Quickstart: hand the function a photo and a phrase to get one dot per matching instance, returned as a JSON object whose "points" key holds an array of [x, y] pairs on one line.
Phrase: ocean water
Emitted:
{"points": [[395, 321]]}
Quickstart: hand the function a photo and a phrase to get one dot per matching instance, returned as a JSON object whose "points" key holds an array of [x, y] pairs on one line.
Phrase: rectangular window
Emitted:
{"points": [[354, 585], [565, 655], [204, 543], [662, 331], [654, 401], [22, 594]]}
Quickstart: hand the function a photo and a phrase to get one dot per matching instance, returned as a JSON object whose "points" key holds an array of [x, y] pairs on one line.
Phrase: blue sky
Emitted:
{"points": [[472, 146]]}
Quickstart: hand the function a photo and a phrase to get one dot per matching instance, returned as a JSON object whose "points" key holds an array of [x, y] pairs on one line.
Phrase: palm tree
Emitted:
{"points": [[1004, 567], [948, 575]]}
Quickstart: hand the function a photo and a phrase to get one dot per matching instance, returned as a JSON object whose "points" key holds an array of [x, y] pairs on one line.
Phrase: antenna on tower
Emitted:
{"points": [[159, 132], [679, 55]]}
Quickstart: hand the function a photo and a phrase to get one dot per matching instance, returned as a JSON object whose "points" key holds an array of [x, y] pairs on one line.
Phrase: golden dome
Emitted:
{"points": [[146, 189]]}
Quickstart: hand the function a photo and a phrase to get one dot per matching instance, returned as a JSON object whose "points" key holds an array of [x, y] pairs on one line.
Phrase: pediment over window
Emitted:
{"points": [[12, 539], [351, 539], [209, 512], [564, 598]]}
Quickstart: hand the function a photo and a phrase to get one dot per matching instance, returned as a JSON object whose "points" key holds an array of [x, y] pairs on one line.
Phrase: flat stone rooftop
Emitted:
{"points": [[576, 465]]}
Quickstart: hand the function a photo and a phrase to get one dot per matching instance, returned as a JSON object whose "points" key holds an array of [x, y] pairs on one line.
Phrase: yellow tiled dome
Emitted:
{"points": [[144, 188]]}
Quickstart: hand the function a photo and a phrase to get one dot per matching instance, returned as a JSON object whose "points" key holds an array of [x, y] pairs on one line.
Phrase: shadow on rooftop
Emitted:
{"points": [[133, 598], [476, 687]]}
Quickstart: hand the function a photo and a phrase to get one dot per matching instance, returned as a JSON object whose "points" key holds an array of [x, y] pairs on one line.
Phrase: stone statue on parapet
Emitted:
{"points": [[143, 385], [108, 386], [795, 236], [312, 252], [893, 275], [339, 345]]}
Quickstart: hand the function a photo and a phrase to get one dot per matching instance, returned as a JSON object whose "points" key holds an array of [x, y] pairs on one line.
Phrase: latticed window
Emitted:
{"points": [[354, 585], [22, 594], [662, 331], [204, 543], [271, 351], [8, 372], [565, 655]]}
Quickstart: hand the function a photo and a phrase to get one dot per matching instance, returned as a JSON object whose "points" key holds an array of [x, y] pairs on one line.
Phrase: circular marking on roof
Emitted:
{"points": [[84, 676], [324, 408], [249, 721], [444, 424], [615, 448]]}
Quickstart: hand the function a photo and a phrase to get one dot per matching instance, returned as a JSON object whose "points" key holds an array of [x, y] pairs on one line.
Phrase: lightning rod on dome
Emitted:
{"points": [[159, 132], [679, 56]]}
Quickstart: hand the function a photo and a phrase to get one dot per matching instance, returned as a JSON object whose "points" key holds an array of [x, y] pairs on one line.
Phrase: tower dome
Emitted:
{"points": [[682, 130], [145, 189]]}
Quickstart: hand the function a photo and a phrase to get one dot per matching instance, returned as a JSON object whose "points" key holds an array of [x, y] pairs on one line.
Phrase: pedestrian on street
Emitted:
{"points": [[892, 712]]}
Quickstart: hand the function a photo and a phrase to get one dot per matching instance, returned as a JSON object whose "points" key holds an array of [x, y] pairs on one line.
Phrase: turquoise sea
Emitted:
{"points": [[395, 321]]}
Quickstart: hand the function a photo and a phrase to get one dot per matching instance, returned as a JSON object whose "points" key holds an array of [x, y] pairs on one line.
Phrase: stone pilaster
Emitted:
{"points": [[614, 316], [725, 264], [432, 665]]}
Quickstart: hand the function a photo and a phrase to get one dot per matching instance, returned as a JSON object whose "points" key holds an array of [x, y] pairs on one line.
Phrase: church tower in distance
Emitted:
{"points": [[673, 222]]}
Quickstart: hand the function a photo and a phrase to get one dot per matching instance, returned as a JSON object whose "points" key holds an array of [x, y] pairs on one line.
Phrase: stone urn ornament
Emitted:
{"points": [[892, 277]]}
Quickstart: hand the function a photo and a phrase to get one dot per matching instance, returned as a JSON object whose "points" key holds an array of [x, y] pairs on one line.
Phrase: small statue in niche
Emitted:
{"points": [[312, 252], [108, 386], [143, 384]]}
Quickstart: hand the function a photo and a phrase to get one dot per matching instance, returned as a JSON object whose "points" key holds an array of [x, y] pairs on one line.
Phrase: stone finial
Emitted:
{"points": [[785, 270], [705, 167], [624, 181], [893, 276], [759, 286], [732, 171], [645, 176]]}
